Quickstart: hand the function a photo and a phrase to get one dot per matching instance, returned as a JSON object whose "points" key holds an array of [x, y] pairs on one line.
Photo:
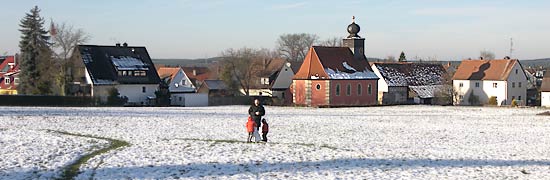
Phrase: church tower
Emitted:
{"points": [[354, 41]]}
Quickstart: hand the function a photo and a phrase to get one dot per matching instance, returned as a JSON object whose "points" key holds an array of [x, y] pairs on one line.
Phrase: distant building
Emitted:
{"points": [[9, 75], [545, 92], [179, 84], [197, 75], [214, 88], [272, 79], [407, 82], [336, 76], [479, 80], [128, 69]]}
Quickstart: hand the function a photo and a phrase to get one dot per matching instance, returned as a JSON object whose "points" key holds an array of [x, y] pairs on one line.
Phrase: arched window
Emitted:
{"points": [[369, 89], [359, 89], [348, 90], [318, 87], [337, 89]]}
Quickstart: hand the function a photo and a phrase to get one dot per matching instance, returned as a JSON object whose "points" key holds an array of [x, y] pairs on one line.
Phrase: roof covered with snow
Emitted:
{"points": [[104, 63], [334, 63], [411, 74]]}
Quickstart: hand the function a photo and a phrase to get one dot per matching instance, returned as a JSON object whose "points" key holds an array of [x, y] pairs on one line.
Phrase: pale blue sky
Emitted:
{"points": [[442, 29]]}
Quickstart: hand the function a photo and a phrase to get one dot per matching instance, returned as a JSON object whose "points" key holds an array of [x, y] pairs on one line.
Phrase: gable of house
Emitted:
{"points": [[176, 79], [108, 65]]}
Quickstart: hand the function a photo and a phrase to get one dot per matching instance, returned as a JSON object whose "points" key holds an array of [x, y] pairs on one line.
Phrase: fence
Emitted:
{"points": [[30, 100]]}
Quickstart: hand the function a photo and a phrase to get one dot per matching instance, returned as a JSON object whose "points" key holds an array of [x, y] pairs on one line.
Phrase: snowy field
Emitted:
{"points": [[399, 142]]}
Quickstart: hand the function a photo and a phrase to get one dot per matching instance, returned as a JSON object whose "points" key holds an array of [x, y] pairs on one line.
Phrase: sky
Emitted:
{"points": [[427, 29]]}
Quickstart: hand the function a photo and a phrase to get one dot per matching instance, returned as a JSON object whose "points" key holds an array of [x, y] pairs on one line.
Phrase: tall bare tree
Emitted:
{"points": [[240, 67], [331, 42], [294, 47], [487, 55], [65, 39]]}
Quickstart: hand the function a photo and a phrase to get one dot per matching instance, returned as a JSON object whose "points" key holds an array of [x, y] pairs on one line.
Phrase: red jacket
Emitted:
{"points": [[265, 127], [250, 125]]}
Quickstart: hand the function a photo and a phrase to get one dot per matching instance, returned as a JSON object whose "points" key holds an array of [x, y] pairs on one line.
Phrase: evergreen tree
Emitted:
{"points": [[402, 57], [34, 50]]}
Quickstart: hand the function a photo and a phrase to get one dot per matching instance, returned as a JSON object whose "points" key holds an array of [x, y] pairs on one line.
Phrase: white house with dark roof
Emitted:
{"points": [[545, 92], [407, 82], [129, 69]]}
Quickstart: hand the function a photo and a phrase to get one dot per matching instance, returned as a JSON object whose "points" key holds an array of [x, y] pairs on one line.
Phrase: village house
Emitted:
{"points": [[545, 92], [408, 83], [197, 75], [478, 81], [128, 69], [9, 75], [272, 78], [182, 90], [336, 76], [214, 88]]}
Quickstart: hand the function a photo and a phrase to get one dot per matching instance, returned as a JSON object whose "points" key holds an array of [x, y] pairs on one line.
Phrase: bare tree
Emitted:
{"points": [[294, 47], [390, 59], [487, 55], [237, 68], [65, 39], [332, 42]]}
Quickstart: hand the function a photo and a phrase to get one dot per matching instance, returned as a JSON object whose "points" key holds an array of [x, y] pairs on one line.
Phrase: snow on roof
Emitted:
{"points": [[366, 74], [103, 81], [128, 63], [411, 74], [426, 91]]}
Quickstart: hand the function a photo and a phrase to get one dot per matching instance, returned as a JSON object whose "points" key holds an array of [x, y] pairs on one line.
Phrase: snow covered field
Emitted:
{"points": [[398, 142]]}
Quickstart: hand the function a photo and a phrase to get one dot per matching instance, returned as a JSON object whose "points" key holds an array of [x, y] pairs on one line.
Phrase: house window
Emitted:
{"points": [[516, 71], [120, 73], [519, 97], [519, 84], [513, 84], [477, 84], [143, 89], [337, 89], [359, 90], [7, 81], [264, 81], [16, 81], [140, 73], [348, 90], [460, 98], [124, 73], [369, 89], [182, 82], [180, 98], [461, 85], [318, 87], [513, 97], [130, 73], [495, 85]]}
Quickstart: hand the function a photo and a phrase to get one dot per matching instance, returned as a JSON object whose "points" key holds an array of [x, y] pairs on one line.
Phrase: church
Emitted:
{"points": [[336, 76]]}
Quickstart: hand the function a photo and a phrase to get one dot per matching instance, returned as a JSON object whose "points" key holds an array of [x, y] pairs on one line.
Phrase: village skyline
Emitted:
{"points": [[442, 30]]}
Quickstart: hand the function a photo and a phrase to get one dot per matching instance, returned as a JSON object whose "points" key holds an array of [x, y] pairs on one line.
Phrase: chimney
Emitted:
{"points": [[506, 57], [15, 60], [125, 44], [480, 58], [117, 44], [194, 72]]}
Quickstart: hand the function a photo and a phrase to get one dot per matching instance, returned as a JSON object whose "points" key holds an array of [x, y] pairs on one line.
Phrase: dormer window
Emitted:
{"points": [[264, 81]]}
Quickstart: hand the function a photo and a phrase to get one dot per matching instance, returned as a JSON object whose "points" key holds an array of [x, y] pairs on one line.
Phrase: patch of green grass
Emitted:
{"points": [[237, 141], [72, 170]]}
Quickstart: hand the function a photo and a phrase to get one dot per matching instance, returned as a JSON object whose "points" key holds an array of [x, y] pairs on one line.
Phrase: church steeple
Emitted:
{"points": [[355, 42]]}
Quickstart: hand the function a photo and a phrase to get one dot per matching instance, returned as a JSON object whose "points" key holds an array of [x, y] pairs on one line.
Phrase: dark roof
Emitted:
{"points": [[545, 87], [104, 62], [485, 69], [411, 74], [215, 84]]}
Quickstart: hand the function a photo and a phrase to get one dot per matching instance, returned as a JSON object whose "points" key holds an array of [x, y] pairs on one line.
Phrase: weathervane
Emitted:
{"points": [[353, 19]]}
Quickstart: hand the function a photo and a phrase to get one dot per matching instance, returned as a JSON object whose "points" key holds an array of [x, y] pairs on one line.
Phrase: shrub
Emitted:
{"points": [[493, 100], [514, 103], [114, 98], [473, 99]]}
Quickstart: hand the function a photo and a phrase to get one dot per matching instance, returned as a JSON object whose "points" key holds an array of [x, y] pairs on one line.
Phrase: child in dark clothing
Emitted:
{"points": [[265, 130]]}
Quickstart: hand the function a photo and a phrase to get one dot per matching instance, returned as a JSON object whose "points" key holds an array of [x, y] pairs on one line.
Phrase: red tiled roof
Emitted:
{"points": [[165, 72], [8, 72], [201, 73], [485, 69]]}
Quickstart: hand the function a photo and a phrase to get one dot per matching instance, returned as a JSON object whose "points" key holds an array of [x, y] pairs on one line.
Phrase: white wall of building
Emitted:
{"points": [[181, 83], [189, 99], [545, 99], [515, 91], [136, 93], [284, 79], [382, 85]]}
